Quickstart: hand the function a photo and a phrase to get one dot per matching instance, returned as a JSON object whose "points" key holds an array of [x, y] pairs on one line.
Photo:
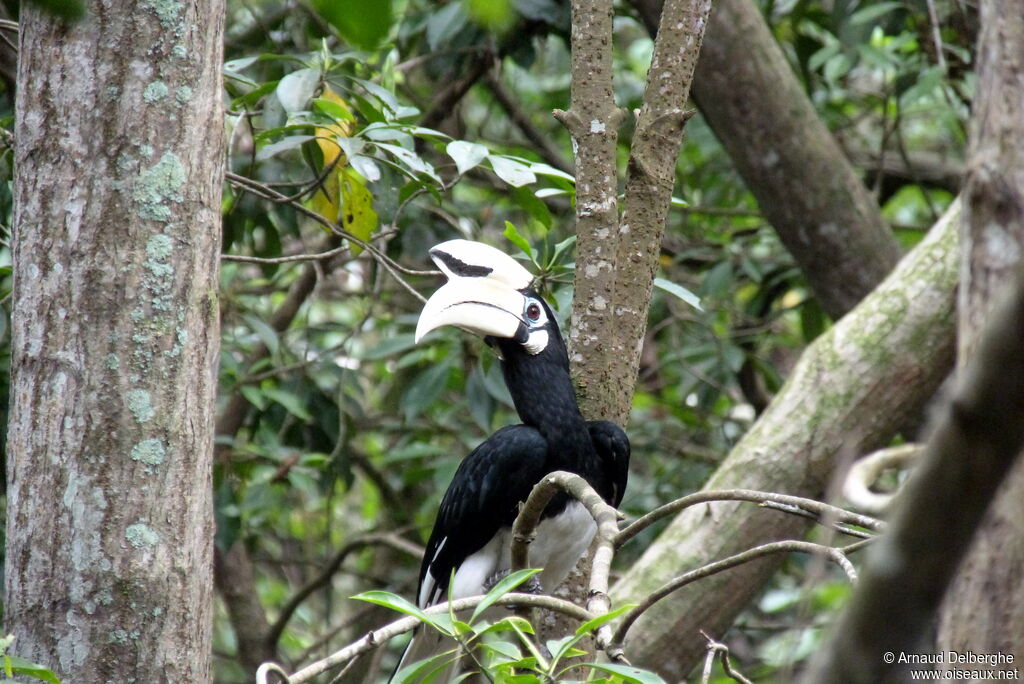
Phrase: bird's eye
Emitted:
{"points": [[533, 311]]}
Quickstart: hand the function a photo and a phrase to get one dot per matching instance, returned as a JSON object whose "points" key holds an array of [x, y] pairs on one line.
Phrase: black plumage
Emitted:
{"points": [[489, 293], [489, 484]]}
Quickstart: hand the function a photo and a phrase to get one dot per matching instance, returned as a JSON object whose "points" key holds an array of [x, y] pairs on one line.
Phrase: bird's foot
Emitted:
{"points": [[530, 586]]}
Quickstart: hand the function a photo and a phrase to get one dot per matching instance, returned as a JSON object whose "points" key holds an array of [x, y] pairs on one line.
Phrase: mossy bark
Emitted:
{"points": [[984, 608], [119, 158], [849, 393]]}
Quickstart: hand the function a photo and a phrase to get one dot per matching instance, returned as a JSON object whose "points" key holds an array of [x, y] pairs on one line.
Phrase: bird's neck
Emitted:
{"points": [[545, 399]]}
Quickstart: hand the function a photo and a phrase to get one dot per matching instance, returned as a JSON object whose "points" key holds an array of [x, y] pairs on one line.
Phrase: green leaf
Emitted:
{"points": [[445, 24], [630, 674], [333, 109], [542, 169], [267, 335], [494, 15], [295, 90], [507, 584], [291, 403], [871, 13], [389, 346], [410, 160], [424, 390], [364, 24], [518, 240], [677, 290], [292, 142], [236, 65], [559, 249], [513, 172], [426, 670], [529, 203], [592, 625], [366, 167], [679, 202], [401, 605], [559, 648], [20, 666], [466, 155], [506, 624], [254, 396]]}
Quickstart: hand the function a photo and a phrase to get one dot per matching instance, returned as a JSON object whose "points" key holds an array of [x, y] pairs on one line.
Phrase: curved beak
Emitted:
{"points": [[483, 294], [479, 305]]}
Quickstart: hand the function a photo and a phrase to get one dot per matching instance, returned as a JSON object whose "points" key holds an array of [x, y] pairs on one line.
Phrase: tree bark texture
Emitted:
{"points": [[848, 394], [984, 609], [617, 259], [974, 446], [804, 185], [592, 121], [119, 158]]}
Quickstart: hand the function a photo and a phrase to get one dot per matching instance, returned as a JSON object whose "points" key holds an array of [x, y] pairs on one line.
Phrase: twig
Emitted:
{"points": [[286, 259], [722, 651], [324, 578], [605, 516], [933, 18], [380, 636], [265, 669], [838, 556], [816, 509], [863, 473], [261, 190]]}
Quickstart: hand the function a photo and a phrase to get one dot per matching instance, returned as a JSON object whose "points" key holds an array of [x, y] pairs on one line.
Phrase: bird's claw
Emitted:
{"points": [[530, 586]]}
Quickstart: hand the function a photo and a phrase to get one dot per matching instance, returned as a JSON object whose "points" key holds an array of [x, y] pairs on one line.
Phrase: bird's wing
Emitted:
{"points": [[482, 498], [612, 446]]}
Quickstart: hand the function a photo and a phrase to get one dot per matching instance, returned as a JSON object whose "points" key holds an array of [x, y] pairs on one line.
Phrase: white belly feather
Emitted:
{"points": [[560, 541]]}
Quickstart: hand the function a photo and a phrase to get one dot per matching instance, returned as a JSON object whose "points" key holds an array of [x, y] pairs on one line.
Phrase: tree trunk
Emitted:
{"points": [[119, 157], [804, 185], [984, 608], [848, 394], [617, 258]]}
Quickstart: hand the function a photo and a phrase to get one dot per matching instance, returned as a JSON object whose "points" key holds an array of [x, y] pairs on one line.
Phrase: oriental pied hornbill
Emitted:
{"points": [[490, 294]]}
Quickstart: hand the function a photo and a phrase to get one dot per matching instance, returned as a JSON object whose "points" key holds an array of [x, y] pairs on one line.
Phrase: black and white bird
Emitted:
{"points": [[490, 294]]}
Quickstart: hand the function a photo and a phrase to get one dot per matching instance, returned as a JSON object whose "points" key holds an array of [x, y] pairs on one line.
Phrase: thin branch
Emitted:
{"points": [[286, 259], [863, 473], [381, 636], [820, 512], [722, 651], [836, 555], [933, 18], [324, 578], [262, 190], [605, 516]]}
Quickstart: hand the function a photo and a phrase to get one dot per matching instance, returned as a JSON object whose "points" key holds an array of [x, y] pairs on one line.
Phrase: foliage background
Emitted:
{"points": [[340, 426]]}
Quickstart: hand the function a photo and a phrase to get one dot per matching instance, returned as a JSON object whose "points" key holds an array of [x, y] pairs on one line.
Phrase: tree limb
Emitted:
{"points": [[848, 394], [838, 556], [821, 512], [978, 438]]}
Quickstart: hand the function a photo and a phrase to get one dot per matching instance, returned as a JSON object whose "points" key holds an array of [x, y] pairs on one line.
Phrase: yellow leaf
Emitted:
{"points": [[357, 214], [325, 135], [325, 200]]}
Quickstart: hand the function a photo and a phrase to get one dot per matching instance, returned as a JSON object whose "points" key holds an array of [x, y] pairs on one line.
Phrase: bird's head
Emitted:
{"points": [[488, 293]]}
